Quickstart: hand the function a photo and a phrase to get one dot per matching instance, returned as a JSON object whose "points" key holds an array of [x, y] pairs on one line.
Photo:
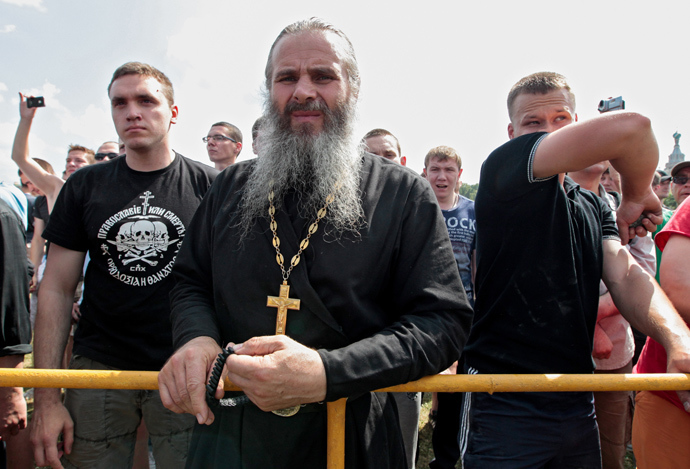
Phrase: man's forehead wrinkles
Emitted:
{"points": [[323, 67], [536, 109]]}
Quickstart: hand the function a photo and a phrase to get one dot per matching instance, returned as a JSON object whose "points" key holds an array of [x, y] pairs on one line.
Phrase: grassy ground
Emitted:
{"points": [[426, 453]]}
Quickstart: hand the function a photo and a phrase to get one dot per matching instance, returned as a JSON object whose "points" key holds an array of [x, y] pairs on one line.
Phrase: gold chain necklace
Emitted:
{"points": [[283, 302]]}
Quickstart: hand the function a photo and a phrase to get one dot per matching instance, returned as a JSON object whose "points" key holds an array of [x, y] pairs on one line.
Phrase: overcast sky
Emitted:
{"points": [[433, 73]]}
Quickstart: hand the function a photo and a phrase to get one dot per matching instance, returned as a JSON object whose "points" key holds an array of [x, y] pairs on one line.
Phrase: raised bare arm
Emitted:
{"points": [[50, 184]]}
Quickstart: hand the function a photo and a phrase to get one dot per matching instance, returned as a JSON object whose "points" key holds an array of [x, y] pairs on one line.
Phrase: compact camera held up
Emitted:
{"points": [[611, 104], [37, 101]]}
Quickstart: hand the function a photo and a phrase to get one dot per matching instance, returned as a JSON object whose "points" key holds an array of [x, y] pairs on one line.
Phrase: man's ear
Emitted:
{"points": [[239, 147], [175, 111], [511, 131], [403, 160], [576, 117]]}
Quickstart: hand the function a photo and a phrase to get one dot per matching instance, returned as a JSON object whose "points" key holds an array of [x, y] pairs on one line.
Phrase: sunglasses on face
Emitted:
{"points": [[103, 156], [680, 180]]}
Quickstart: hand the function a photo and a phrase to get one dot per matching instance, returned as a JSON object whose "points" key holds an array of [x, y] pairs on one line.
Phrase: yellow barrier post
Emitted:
{"points": [[96, 379], [547, 383], [335, 451], [78, 379]]}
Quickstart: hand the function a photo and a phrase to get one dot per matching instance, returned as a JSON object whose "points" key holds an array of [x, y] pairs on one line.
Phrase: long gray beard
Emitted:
{"points": [[312, 166]]}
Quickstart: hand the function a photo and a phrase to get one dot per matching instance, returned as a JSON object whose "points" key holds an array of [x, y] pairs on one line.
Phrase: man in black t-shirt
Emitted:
{"points": [[130, 214], [542, 245]]}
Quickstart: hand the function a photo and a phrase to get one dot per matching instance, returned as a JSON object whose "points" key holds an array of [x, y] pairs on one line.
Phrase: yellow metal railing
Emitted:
{"points": [[34, 378]]}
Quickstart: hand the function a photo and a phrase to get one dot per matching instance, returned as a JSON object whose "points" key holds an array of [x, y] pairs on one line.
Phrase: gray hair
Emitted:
{"points": [[344, 49]]}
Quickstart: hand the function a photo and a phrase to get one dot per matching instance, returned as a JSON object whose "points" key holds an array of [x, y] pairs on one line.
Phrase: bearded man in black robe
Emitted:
{"points": [[361, 244]]}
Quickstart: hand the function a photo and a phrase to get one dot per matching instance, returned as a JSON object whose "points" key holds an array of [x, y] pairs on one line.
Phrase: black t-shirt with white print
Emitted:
{"points": [[132, 224]]}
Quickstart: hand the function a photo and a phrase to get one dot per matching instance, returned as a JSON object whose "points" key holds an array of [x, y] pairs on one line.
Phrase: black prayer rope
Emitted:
{"points": [[215, 379]]}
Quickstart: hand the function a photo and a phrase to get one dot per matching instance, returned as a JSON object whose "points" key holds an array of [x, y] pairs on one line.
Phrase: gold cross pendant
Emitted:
{"points": [[283, 303]]}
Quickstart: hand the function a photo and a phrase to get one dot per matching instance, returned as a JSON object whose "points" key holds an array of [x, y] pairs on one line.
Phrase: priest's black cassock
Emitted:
{"points": [[382, 308]]}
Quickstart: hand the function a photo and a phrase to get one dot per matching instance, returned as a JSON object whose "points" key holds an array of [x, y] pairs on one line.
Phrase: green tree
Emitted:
{"points": [[469, 190]]}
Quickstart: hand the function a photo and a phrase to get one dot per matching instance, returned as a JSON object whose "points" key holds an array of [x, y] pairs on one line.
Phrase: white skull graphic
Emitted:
{"points": [[143, 232]]}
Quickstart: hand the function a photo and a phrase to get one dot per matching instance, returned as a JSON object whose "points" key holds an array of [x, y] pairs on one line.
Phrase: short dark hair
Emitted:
{"points": [[382, 133], [257, 125], [443, 153], [47, 167], [139, 68], [539, 83], [346, 52], [234, 132]]}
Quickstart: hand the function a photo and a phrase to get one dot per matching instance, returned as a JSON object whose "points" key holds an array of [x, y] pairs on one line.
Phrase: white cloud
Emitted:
{"points": [[48, 90], [37, 4], [8, 28], [7, 130], [91, 126], [38, 147], [55, 127], [85, 127]]}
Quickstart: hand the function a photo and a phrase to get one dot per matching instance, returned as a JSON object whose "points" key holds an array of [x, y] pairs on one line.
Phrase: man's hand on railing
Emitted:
{"points": [[182, 381], [12, 411], [277, 372]]}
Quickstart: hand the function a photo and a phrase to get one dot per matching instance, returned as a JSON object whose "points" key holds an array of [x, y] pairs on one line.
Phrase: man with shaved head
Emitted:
{"points": [[107, 151], [383, 143], [273, 267]]}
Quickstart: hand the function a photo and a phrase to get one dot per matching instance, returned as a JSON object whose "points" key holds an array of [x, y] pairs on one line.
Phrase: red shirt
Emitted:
{"points": [[653, 356]]}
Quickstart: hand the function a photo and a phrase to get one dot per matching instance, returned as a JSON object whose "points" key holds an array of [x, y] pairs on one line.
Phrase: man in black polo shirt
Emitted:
{"points": [[543, 244]]}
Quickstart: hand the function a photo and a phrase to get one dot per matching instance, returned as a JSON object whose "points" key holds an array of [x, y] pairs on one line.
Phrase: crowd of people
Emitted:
{"points": [[325, 269]]}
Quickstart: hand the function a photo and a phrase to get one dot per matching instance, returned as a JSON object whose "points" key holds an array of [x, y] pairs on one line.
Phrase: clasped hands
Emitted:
{"points": [[648, 206], [274, 371]]}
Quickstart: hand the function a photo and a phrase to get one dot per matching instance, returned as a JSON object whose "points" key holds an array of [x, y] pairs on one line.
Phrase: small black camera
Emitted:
{"points": [[37, 101], [611, 104]]}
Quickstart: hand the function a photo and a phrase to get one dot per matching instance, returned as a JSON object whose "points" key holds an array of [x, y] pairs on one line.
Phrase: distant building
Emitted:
{"points": [[676, 155]]}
